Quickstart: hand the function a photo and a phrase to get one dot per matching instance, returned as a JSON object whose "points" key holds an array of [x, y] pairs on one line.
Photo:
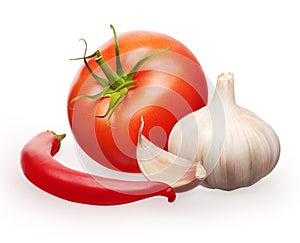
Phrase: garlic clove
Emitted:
{"points": [[159, 165], [199, 136]]}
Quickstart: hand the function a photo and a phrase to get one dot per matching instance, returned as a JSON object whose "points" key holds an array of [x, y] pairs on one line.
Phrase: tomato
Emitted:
{"points": [[166, 86]]}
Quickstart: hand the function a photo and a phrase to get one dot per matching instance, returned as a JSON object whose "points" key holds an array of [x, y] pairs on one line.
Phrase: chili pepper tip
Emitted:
{"points": [[171, 195]]}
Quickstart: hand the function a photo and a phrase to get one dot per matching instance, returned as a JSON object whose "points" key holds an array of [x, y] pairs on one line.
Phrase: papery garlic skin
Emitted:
{"points": [[235, 146]]}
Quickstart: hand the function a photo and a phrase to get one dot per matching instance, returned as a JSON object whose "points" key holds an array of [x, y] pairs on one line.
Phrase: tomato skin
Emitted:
{"points": [[168, 87]]}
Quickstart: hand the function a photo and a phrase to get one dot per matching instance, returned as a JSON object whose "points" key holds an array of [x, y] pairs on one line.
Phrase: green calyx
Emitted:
{"points": [[116, 83], [60, 137]]}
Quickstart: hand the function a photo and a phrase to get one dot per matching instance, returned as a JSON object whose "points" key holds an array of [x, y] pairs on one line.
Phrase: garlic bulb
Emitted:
{"points": [[235, 146], [220, 146]]}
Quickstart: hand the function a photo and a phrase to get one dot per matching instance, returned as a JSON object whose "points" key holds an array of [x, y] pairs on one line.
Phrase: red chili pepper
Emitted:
{"points": [[45, 172]]}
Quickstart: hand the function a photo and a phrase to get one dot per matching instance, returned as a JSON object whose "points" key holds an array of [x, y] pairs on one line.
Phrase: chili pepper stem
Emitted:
{"points": [[60, 137]]}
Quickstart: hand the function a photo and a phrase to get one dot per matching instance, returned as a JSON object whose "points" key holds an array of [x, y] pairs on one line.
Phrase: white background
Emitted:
{"points": [[256, 40]]}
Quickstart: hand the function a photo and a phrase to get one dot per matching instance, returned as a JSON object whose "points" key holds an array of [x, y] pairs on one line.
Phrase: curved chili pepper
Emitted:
{"points": [[48, 174]]}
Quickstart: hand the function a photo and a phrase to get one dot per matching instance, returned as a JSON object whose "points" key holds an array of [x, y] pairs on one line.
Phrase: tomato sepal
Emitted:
{"points": [[117, 84]]}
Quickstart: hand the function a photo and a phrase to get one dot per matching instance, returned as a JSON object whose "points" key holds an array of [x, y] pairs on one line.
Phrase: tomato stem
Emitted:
{"points": [[109, 73], [117, 84]]}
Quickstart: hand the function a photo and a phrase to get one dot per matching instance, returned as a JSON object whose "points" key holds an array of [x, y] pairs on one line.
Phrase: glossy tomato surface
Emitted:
{"points": [[168, 87]]}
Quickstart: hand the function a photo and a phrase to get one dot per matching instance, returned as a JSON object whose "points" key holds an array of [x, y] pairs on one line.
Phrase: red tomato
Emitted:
{"points": [[168, 87]]}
